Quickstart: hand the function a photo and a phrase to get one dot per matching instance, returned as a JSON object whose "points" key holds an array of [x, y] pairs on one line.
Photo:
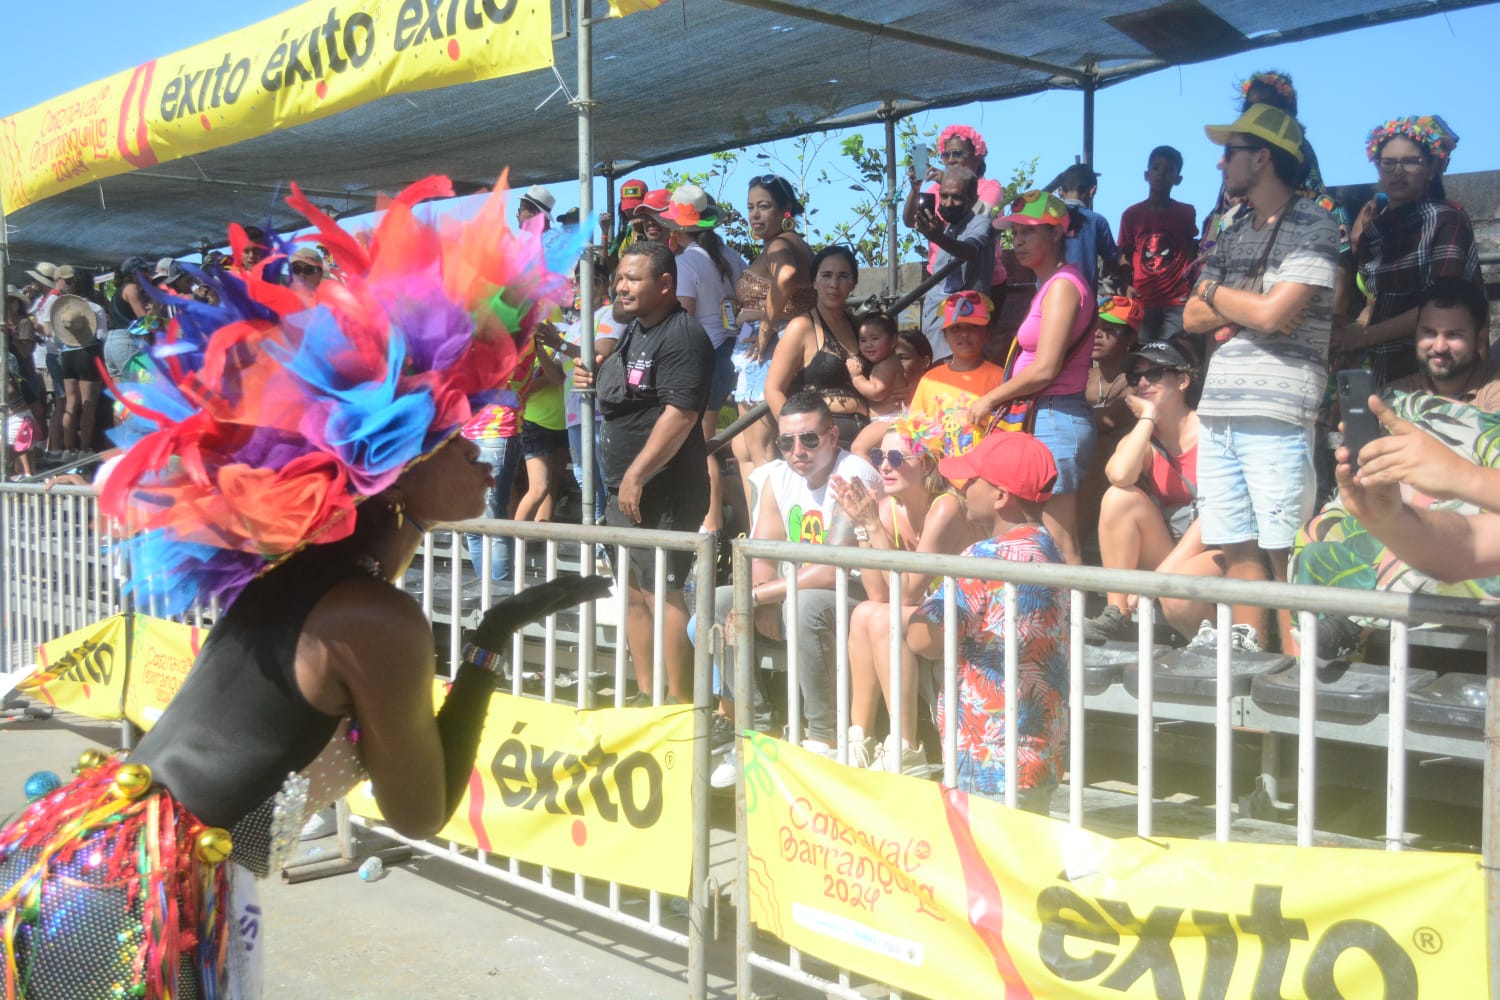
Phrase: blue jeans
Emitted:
{"points": [[503, 456], [1064, 424], [575, 452]]}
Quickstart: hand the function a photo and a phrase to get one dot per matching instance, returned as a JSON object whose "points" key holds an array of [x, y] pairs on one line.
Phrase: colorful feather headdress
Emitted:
{"points": [[267, 419], [1274, 80]]}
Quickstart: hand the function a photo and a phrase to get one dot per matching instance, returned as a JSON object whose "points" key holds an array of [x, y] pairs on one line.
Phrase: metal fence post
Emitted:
{"points": [[743, 637], [1490, 837], [703, 678]]}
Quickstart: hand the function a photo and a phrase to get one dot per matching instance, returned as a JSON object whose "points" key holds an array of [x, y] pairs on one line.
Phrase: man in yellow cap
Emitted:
{"points": [[1266, 294]]}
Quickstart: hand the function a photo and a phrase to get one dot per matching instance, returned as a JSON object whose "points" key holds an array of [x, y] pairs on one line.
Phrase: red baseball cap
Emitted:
{"points": [[655, 202], [1008, 460], [632, 193]]}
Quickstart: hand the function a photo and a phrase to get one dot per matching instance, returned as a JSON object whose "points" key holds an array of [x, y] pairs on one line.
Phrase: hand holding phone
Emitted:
{"points": [[1361, 426], [919, 162], [928, 202]]}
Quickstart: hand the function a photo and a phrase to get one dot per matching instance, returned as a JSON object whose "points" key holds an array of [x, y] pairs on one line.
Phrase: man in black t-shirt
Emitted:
{"points": [[652, 391]]}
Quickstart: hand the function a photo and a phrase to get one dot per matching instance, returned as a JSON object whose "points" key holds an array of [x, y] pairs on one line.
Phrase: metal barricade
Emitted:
{"points": [[1228, 711], [437, 580], [57, 574]]}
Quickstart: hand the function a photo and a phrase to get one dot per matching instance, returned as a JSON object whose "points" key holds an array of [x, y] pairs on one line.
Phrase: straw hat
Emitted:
{"points": [[73, 321]]}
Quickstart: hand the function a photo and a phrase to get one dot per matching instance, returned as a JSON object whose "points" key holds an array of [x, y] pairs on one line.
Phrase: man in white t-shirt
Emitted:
{"points": [[795, 504]]}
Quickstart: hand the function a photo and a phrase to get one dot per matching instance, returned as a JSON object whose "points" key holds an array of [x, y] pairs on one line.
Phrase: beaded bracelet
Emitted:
{"points": [[483, 658]]}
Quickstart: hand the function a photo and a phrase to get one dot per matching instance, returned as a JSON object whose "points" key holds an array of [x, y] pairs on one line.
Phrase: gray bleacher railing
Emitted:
{"points": [[1403, 611]]}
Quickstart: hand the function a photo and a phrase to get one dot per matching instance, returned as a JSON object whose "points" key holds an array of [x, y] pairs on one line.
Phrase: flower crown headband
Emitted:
{"points": [[1428, 131], [1274, 80], [267, 419]]}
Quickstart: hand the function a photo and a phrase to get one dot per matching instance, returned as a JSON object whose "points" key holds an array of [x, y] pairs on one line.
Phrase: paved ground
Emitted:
{"points": [[429, 929]]}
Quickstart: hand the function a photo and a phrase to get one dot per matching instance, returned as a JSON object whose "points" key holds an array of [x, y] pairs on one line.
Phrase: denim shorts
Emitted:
{"points": [[725, 375], [750, 383], [1066, 426], [1255, 480], [539, 442]]}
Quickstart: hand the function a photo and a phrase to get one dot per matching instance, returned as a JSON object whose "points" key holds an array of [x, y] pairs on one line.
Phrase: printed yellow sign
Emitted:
{"points": [[161, 652], [83, 671], [950, 895], [604, 793], [317, 59]]}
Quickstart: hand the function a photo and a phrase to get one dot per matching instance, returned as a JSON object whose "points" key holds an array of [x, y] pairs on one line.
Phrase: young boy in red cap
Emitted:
{"points": [[1006, 479]]}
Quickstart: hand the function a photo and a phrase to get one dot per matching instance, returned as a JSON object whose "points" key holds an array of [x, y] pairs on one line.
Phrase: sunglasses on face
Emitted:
{"points": [[808, 439], [1153, 375], [306, 269], [894, 457]]}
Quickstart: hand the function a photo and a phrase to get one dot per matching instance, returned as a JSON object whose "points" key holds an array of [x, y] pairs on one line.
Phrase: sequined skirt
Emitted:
{"points": [[110, 889]]}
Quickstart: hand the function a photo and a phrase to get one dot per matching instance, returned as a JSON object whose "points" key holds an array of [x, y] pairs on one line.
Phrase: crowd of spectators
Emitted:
{"points": [[1162, 404]]}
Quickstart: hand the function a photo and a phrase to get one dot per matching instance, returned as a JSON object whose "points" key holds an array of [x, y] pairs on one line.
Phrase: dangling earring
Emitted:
{"points": [[787, 223], [398, 508]]}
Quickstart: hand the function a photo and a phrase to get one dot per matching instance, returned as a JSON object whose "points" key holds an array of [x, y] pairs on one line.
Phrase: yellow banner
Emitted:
{"points": [[83, 671], [160, 654], [950, 895], [604, 793], [317, 59]]}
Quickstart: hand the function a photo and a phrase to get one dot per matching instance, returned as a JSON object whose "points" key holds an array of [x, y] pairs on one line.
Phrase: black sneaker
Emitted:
{"points": [[1338, 637], [1111, 623], [721, 734]]}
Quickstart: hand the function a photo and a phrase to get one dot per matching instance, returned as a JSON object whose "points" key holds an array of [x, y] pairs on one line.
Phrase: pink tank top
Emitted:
{"points": [[1075, 371]]}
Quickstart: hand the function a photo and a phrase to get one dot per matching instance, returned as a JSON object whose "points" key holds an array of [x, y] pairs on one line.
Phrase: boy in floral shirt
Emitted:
{"points": [[1005, 479]]}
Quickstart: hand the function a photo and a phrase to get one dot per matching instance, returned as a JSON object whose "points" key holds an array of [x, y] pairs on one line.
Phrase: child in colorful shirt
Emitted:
{"points": [[1006, 479]]}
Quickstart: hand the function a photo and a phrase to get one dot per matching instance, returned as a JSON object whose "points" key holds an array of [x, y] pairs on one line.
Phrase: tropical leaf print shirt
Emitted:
{"points": [[1042, 682]]}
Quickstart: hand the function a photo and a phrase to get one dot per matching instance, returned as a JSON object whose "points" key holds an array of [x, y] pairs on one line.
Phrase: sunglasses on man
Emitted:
{"points": [[808, 439]]}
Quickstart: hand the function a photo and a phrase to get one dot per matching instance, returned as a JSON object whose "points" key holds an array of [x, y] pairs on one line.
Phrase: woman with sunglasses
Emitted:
{"points": [[1051, 366], [1415, 239], [775, 287], [815, 349], [1149, 516], [919, 513]]}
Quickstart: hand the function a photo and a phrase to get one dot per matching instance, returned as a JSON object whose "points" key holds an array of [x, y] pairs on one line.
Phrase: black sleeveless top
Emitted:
{"points": [[239, 725], [828, 371]]}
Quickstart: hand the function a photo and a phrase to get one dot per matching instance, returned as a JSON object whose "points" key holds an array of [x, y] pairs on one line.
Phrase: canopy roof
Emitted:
{"points": [[690, 77]]}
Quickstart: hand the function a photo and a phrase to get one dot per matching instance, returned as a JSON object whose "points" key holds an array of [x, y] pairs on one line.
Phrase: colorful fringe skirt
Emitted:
{"points": [[110, 889]]}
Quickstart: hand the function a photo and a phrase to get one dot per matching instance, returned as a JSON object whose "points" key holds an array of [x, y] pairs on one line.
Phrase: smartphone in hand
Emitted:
{"points": [[1361, 426], [928, 201], [919, 162]]}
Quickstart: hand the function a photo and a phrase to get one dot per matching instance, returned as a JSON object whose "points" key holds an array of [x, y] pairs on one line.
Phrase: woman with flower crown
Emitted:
{"points": [[283, 463], [1405, 244]]}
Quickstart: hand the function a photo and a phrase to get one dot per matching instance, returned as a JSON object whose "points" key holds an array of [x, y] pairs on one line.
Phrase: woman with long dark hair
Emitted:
{"points": [[774, 288], [815, 349]]}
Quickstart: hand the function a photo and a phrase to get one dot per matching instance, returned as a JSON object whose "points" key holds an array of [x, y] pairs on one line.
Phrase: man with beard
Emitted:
{"points": [[1267, 292], [1453, 320]]}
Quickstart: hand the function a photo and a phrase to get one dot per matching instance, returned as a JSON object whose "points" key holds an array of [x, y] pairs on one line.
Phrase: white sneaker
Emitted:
{"points": [[726, 772], [1242, 639], [913, 761], [1207, 637], [821, 749], [861, 747], [323, 823]]}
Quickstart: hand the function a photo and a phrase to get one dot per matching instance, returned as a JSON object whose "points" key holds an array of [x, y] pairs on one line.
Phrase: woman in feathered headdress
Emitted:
{"points": [[282, 461]]}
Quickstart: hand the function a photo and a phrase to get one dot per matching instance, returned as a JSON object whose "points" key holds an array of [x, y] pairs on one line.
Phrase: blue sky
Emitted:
{"points": [[1346, 85]]}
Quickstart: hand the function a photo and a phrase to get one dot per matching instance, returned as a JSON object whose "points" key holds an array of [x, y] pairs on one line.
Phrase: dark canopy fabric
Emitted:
{"points": [[689, 77]]}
